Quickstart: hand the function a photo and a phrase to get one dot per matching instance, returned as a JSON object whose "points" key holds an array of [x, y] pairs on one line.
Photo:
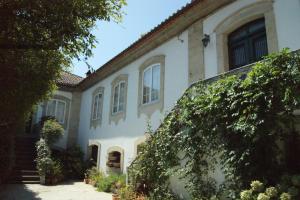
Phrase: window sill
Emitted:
{"points": [[117, 113], [149, 108], [150, 103]]}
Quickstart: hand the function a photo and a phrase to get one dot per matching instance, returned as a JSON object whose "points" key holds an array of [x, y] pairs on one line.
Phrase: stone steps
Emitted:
{"points": [[25, 171]]}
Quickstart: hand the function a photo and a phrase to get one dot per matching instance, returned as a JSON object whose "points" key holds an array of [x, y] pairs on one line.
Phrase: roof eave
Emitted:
{"points": [[173, 26]]}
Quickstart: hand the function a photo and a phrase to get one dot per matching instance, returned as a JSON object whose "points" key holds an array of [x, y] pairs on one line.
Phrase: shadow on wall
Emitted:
{"points": [[16, 192]]}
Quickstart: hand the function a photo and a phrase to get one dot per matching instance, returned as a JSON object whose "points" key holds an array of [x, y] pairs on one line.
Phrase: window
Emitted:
{"points": [[115, 160], [247, 44], [119, 97], [151, 84], [56, 108], [96, 106]]}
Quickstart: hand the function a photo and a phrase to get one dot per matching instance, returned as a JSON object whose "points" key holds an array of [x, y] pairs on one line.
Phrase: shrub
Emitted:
{"points": [[43, 159], [128, 193], [286, 190], [95, 175], [72, 162], [52, 131], [111, 183], [56, 172]]}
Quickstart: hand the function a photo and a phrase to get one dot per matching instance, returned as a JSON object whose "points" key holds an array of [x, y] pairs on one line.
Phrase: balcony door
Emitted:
{"points": [[247, 44]]}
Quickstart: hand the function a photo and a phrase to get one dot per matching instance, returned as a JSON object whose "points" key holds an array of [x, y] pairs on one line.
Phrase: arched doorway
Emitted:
{"points": [[93, 154]]}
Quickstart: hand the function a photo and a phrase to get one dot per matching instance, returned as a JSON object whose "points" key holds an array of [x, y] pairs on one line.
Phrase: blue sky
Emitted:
{"points": [[140, 17]]}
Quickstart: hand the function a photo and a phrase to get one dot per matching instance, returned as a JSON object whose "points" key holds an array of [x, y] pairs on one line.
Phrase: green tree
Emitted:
{"points": [[38, 39]]}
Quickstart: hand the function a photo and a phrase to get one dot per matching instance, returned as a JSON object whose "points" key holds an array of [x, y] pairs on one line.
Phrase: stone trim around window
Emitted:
{"points": [[243, 16], [115, 117], [97, 122], [67, 108], [149, 109]]}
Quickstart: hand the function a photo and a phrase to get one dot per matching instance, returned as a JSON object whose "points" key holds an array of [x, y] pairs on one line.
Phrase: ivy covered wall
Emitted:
{"points": [[245, 123]]}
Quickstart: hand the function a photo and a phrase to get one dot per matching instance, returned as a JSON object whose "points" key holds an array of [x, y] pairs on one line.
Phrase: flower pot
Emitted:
{"points": [[115, 197], [93, 183], [43, 180], [54, 181], [86, 181]]}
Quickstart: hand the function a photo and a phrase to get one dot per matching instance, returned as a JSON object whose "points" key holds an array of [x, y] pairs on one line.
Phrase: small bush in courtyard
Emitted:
{"points": [[111, 183], [72, 162], [56, 172], [43, 160], [52, 131], [128, 193], [95, 176], [48, 167]]}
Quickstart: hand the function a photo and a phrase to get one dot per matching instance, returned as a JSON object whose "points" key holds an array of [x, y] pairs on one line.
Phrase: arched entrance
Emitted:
{"points": [[93, 154]]}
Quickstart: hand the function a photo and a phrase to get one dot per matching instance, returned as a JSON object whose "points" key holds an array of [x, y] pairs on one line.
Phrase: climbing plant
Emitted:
{"points": [[243, 124]]}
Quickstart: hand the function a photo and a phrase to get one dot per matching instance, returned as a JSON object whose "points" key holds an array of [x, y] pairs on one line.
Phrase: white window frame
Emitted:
{"points": [[119, 95], [150, 94], [55, 111], [95, 115]]}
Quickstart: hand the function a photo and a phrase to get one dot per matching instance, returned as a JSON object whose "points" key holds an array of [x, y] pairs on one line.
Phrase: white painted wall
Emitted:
{"points": [[287, 16], [125, 133]]}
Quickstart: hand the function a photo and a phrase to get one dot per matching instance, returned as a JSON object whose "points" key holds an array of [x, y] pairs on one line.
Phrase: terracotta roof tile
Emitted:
{"points": [[69, 79]]}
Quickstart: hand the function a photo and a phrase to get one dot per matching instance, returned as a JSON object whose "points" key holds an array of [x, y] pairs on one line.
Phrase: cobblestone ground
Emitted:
{"points": [[65, 191]]}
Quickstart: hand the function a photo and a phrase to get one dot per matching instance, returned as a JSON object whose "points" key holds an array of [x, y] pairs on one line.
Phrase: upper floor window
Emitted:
{"points": [[97, 106], [56, 108], [151, 84], [247, 44], [119, 97]]}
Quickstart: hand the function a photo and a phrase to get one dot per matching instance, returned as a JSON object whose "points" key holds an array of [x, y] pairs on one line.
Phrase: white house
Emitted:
{"points": [[107, 112]]}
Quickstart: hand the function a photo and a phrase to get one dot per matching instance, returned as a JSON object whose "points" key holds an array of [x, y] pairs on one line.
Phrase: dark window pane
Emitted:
{"points": [[256, 26], [260, 48], [239, 56], [247, 44]]}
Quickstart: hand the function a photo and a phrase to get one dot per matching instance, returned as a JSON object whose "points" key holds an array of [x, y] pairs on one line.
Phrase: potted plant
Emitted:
{"points": [[55, 174], [43, 179], [86, 178], [43, 160], [115, 197]]}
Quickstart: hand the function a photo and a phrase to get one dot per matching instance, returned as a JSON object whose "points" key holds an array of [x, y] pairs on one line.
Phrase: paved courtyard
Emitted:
{"points": [[65, 191]]}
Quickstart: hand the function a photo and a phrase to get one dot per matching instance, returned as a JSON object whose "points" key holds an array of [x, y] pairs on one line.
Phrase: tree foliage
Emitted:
{"points": [[37, 40], [243, 124]]}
